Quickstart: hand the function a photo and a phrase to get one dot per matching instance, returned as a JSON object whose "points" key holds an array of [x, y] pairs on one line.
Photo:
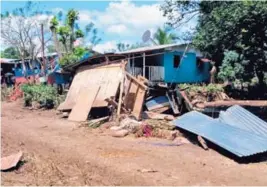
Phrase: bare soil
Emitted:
{"points": [[59, 152]]}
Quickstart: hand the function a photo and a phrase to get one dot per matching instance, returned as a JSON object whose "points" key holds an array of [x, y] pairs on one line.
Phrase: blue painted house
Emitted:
{"points": [[171, 63], [32, 68]]}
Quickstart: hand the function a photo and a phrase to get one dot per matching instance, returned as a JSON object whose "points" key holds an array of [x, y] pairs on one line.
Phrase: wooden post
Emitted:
{"points": [[144, 64], [133, 66], [42, 34], [202, 142], [121, 89]]}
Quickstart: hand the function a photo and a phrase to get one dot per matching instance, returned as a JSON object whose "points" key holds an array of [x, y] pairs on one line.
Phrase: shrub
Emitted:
{"points": [[45, 95]]}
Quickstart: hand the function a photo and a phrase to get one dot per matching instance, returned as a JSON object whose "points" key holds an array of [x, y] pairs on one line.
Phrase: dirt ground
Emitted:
{"points": [[58, 152]]}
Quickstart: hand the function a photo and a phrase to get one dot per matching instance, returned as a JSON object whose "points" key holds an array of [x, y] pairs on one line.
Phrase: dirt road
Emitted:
{"points": [[58, 152]]}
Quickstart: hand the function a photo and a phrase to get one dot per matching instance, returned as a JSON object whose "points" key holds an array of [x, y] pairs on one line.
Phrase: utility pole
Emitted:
{"points": [[43, 58]]}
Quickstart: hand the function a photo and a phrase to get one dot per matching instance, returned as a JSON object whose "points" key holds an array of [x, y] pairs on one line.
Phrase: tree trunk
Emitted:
{"points": [[56, 44], [71, 39]]}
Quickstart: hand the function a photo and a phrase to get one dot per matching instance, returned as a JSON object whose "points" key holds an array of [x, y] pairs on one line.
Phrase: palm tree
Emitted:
{"points": [[163, 36], [72, 16], [53, 28]]}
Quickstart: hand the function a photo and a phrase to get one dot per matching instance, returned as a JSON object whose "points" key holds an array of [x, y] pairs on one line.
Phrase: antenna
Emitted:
{"points": [[147, 36]]}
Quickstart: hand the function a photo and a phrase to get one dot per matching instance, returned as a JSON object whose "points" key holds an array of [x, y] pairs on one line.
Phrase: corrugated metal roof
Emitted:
{"points": [[235, 140], [157, 102], [243, 119], [151, 48], [7, 60]]}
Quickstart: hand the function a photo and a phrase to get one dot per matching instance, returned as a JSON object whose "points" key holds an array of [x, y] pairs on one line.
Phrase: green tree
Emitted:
{"points": [[232, 33], [54, 27], [10, 52], [72, 17], [68, 33], [164, 36]]}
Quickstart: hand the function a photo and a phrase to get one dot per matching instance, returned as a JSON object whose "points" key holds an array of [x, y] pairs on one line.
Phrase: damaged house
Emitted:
{"points": [[171, 63]]}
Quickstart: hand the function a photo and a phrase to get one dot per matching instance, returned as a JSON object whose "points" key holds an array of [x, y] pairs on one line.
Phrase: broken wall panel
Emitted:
{"points": [[134, 95], [83, 105], [108, 77]]}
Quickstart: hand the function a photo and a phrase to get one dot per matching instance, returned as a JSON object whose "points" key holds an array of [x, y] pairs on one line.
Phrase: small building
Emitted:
{"points": [[7, 70], [31, 69], [170, 63]]}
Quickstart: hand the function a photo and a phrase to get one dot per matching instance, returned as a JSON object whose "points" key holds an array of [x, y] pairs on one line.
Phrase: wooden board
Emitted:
{"points": [[139, 101], [84, 104], [134, 95], [107, 77]]}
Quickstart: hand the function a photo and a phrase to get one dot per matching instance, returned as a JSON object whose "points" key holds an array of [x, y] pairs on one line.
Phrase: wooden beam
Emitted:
{"points": [[255, 103], [144, 64], [202, 142], [136, 80]]}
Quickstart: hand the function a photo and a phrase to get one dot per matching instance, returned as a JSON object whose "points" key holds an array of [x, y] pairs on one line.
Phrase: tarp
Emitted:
{"points": [[237, 141]]}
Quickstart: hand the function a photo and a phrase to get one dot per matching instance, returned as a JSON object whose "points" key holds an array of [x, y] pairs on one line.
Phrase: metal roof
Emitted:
{"points": [[8, 60], [149, 48], [235, 140], [243, 119]]}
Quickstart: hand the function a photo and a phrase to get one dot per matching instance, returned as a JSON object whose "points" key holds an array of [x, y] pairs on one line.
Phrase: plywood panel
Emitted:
{"points": [[83, 104], [107, 77]]}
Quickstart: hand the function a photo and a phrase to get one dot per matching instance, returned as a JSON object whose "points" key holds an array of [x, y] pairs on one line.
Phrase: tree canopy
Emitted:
{"points": [[11, 53], [164, 36], [232, 33]]}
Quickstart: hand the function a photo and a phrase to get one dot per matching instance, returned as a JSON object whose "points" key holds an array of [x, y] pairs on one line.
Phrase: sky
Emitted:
{"points": [[116, 21]]}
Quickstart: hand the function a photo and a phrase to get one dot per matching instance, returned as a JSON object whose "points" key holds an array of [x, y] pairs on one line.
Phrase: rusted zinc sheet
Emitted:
{"points": [[108, 77], [243, 119], [235, 140]]}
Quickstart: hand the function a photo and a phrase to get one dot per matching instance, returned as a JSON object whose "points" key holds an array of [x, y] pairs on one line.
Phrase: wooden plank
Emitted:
{"points": [[255, 103], [143, 79], [202, 142], [153, 115], [139, 101], [130, 97], [136, 80], [107, 77], [121, 90], [161, 110], [83, 105]]}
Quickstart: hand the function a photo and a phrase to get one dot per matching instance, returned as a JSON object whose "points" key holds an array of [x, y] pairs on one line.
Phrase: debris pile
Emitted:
{"points": [[107, 94]]}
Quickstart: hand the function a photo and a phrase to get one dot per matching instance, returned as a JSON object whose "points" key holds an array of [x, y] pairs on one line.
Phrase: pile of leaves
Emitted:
{"points": [[203, 92], [45, 95]]}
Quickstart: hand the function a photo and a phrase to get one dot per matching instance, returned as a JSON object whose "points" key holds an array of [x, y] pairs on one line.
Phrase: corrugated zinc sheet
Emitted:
{"points": [[243, 119], [235, 140], [157, 102]]}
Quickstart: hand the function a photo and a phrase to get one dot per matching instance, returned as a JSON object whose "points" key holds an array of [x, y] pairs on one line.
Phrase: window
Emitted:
{"points": [[176, 61]]}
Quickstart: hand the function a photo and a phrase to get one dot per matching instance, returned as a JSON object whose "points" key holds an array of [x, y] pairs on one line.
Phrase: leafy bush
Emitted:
{"points": [[210, 88], [45, 95], [73, 57]]}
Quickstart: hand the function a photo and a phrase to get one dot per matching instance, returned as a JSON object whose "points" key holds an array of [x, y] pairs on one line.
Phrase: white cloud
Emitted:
{"points": [[119, 29], [106, 47], [126, 18], [84, 16]]}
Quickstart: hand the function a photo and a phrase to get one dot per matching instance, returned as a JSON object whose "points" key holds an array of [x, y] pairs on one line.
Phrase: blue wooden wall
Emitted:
{"points": [[187, 72]]}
